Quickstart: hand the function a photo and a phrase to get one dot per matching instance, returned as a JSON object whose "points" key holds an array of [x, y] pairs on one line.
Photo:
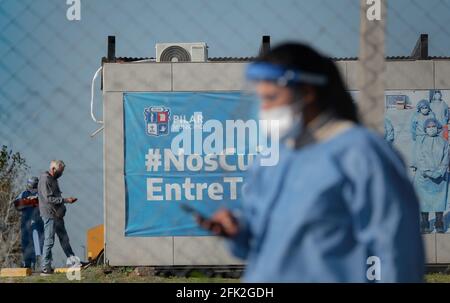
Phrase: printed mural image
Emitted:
{"points": [[416, 123], [389, 133]]}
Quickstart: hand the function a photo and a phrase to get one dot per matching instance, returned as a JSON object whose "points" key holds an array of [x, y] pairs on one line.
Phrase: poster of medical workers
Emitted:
{"points": [[416, 123]]}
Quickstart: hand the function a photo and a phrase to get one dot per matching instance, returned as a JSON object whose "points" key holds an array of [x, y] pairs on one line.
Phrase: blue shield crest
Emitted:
{"points": [[157, 120]]}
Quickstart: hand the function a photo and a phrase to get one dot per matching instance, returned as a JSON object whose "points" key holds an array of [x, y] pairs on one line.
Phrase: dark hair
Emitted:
{"points": [[332, 96]]}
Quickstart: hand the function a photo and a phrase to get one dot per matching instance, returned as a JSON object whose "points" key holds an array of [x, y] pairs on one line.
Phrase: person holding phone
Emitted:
{"points": [[340, 197], [52, 208]]}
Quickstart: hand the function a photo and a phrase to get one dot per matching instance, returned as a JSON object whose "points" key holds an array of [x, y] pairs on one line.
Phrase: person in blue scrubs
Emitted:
{"points": [[31, 225], [431, 177], [389, 134], [423, 113], [439, 107], [338, 206]]}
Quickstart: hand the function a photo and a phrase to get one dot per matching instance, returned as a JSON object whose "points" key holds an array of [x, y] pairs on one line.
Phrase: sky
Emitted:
{"points": [[47, 63]]}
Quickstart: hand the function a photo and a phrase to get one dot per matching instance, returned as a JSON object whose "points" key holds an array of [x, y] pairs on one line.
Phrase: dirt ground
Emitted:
{"points": [[130, 275]]}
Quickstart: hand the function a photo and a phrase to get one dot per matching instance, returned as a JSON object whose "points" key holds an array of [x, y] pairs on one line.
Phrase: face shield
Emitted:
{"points": [[270, 82], [280, 105], [281, 75], [32, 184]]}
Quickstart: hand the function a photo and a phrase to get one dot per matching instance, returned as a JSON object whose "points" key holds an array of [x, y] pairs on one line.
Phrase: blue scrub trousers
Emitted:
{"points": [[30, 221]]}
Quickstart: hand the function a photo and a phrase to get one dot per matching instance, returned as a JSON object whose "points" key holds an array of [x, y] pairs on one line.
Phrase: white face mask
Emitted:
{"points": [[431, 131], [437, 97], [424, 110], [286, 116]]}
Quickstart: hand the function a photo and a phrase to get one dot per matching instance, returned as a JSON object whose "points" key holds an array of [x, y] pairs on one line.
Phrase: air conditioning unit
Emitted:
{"points": [[181, 52]]}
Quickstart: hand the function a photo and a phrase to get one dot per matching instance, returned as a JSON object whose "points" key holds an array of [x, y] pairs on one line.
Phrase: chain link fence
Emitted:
{"points": [[48, 58]]}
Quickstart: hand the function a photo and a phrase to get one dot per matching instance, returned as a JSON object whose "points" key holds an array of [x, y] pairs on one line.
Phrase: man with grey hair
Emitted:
{"points": [[52, 208]]}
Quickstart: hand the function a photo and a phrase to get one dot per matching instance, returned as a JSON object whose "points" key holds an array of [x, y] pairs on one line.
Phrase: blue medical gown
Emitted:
{"points": [[418, 133], [389, 134], [325, 208], [440, 109], [431, 178]]}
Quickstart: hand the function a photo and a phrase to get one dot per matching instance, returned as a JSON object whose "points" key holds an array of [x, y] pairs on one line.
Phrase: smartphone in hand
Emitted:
{"points": [[191, 210], [219, 225]]}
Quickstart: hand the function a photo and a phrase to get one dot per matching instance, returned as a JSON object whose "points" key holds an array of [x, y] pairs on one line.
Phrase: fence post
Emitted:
{"points": [[372, 64]]}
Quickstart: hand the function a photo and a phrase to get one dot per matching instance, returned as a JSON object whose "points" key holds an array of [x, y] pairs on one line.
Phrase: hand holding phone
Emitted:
{"points": [[222, 223], [189, 209], [71, 200]]}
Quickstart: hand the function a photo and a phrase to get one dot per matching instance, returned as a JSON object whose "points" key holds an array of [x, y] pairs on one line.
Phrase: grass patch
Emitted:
{"points": [[117, 275], [437, 278], [128, 275]]}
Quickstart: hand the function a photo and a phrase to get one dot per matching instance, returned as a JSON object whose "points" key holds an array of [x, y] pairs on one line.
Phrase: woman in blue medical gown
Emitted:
{"points": [[439, 107], [431, 178], [338, 205], [422, 114]]}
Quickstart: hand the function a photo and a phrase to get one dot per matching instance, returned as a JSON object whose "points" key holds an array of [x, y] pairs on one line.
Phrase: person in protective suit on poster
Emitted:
{"points": [[340, 196], [31, 225], [431, 178], [389, 132], [440, 109], [423, 113]]}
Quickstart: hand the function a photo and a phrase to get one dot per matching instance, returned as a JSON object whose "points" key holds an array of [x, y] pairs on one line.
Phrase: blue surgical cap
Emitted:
{"points": [[422, 104], [431, 121], [32, 182]]}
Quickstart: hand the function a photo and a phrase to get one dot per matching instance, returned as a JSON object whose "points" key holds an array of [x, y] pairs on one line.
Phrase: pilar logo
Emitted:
{"points": [[157, 120]]}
